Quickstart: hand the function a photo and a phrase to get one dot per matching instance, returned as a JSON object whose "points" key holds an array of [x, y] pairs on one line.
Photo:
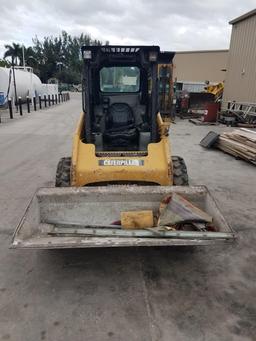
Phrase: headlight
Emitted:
{"points": [[153, 56], [87, 54]]}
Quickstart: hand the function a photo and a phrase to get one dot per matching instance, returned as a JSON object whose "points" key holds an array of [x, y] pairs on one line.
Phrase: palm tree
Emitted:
{"points": [[13, 51]]}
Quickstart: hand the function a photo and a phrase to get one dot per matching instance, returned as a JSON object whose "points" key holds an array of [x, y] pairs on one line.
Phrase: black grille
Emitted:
{"points": [[120, 49], [120, 154]]}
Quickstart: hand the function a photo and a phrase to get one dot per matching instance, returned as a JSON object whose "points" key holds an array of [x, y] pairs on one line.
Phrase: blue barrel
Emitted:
{"points": [[2, 97]]}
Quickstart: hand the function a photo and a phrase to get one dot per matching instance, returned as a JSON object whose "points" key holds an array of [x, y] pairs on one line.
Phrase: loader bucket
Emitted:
{"points": [[85, 217]]}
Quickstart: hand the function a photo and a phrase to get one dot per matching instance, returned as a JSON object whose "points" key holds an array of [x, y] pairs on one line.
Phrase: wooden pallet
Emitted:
{"points": [[240, 143]]}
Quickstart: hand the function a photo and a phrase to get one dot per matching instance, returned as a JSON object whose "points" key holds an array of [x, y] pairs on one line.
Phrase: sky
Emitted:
{"points": [[179, 25]]}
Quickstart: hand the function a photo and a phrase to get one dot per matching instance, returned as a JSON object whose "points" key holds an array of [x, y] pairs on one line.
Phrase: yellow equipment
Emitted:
{"points": [[216, 90], [166, 93], [121, 137], [122, 140], [91, 167]]}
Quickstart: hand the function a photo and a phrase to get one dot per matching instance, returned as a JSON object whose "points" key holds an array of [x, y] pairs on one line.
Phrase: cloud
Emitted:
{"points": [[174, 25]]}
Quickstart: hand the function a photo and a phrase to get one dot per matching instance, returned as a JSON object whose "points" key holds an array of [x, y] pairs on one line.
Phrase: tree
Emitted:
{"points": [[58, 57], [4, 63], [13, 51]]}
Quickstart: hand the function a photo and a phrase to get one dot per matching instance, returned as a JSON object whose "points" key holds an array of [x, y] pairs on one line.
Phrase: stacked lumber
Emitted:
{"points": [[240, 143]]}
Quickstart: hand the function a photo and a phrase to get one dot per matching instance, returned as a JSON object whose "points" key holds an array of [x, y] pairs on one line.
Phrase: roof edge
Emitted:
{"points": [[200, 51], [243, 17]]}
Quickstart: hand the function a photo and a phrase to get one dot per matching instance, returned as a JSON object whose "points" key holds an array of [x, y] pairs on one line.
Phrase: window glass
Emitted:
{"points": [[120, 79]]}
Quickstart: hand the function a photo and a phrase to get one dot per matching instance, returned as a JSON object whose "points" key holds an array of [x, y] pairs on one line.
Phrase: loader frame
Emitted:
{"points": [[153, 165], [146, 58]]}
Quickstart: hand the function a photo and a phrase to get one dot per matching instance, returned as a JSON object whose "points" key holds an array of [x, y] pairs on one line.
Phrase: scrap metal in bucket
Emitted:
{"points": [[175, 209]]}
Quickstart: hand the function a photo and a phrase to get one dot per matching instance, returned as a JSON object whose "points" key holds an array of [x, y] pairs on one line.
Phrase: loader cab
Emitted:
{"points": [[120, 97]]}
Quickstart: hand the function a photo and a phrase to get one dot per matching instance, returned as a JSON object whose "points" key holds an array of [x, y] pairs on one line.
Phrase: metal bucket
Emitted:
{"points": [[83, 217]]}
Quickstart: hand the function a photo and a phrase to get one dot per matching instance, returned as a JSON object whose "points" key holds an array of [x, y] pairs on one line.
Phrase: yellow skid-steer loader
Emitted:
{"points": [[121, 162]]}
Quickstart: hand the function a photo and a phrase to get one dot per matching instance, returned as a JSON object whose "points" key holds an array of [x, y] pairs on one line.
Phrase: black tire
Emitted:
{"points": [[180, 174], [63, 172]]}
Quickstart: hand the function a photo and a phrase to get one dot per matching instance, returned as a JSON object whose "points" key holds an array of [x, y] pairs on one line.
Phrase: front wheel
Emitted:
{"points": [[180, 174], [63, 172]]}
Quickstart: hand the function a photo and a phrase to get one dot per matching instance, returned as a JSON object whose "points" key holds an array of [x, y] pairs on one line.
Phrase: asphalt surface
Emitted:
{"points": [[175, 293]]}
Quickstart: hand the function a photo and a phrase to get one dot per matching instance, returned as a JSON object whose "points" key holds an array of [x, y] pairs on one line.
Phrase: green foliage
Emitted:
{"points": [[14, 52], [69, 77], [4, 63], [58, 57]]}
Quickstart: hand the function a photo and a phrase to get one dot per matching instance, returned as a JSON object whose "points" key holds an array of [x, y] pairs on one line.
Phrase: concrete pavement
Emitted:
{"points": [[178, 294]]}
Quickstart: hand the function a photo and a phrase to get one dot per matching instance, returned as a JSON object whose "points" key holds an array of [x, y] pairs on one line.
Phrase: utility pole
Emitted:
{"points": [[14, 83], [23, 56]]}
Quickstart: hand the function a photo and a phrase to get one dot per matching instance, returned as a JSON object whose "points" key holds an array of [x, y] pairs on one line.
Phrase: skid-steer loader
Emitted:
{"points": [[121, 162]]}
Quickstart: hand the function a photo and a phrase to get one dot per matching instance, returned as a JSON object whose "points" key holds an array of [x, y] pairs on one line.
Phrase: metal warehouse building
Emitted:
{"points": [[200, 66], [240, 83]]}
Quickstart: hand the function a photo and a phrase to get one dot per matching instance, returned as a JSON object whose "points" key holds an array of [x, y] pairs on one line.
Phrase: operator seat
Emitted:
{"points": [[120, 128]]}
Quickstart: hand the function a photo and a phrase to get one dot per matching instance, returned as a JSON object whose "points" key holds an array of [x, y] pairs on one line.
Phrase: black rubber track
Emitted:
{"points": [[63, 172], [180, 174]]}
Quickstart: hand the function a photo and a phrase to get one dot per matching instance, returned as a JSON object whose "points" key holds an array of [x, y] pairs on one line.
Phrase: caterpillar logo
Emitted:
{"points": [[121, 162]]}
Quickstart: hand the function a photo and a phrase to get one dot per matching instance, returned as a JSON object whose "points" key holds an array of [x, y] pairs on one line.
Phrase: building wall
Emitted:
{"points": [[199, 66], [240, 84]]}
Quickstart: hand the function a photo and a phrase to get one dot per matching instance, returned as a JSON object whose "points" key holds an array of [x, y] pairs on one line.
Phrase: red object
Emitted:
{"points": [[184, 103], [210, 114]]}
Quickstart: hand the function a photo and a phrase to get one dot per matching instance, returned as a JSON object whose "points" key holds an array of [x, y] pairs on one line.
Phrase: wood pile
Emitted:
{"points": [[240, 143]]}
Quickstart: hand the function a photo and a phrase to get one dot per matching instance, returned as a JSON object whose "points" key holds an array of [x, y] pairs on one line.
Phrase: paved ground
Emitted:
{"points": [[5, 113], [178, 294]]}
